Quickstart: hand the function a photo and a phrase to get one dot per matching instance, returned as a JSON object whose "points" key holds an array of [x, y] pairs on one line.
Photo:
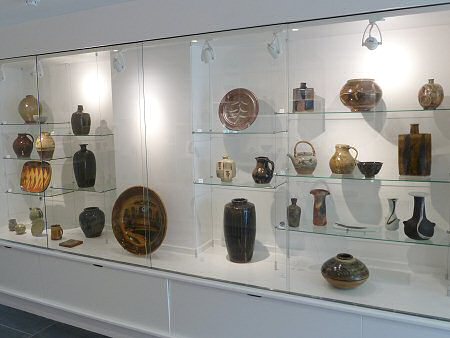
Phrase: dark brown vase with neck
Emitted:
{"points": [[81, 122], [23, 146], [414, 153]]}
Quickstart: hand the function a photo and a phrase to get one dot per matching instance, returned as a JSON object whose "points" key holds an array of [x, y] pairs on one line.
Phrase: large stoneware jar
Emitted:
{"points": [[239, 226], [80, 122], [45, 146], [28, 107], [92, 221], [345, 271], [84, 167], [361, 94]]}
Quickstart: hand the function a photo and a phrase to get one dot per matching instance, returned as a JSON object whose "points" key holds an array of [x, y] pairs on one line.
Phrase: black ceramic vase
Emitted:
{"points": [[239, 226], [81, 122], [92, 221], [418, 226], [84, 167]]}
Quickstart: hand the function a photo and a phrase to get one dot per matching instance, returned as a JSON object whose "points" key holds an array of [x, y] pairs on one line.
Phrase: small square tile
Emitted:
{"points": [[59, 330], [22, 321]]}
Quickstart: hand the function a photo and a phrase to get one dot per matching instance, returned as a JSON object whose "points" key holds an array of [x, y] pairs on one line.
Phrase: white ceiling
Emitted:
{"points": [[17, 11]]}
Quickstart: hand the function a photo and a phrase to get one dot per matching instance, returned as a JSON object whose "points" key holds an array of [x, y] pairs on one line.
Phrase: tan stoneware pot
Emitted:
{"points": [[361, 94], [342, 162]]}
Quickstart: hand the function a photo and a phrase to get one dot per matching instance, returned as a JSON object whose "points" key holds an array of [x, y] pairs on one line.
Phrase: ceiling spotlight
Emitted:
{"points": [[118, 61], [371, 42], [274, 47], [32, 2], [207, 53]]}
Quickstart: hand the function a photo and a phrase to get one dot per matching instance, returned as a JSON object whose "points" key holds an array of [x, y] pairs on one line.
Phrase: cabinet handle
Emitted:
{"points": [[256, 296], [98, 265]]}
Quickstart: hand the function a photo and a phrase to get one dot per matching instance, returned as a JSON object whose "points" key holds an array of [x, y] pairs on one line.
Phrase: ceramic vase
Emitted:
{"points": [[37, 221], [414, 153], [12, 224], [392, 222], [45, 146], [320, 207], [293, 214], [35, 176], [239, 226], [92, 222], [304, 162], [23, 146], [303, 98], [226, 169], [430, 95], [361, 94], [263, 173], [20, 229], [28, 107], [81, 122], [84, 167], [418, 226], [342, 162], [345, 271]]}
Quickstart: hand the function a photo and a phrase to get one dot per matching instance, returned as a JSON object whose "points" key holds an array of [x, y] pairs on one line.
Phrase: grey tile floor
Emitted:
{"points": [[19, 324]]}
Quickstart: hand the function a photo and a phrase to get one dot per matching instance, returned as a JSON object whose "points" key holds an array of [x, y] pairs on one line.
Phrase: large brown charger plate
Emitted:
{"points": [[35, 176], [139, 220], [238, 109]]}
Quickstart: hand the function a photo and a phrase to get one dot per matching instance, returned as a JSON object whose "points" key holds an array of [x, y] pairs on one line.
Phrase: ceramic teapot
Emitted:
{"points": [[342, 162], [226, 169], [304, 162]]}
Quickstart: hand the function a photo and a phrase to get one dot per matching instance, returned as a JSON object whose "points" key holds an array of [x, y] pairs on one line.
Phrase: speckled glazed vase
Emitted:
{"points": [[431, 95], [45, 146], [319, 208], [92, 221], [342, 162], [28, 107], [293, 214], [239, 226], [37, 221], [345, 271]]}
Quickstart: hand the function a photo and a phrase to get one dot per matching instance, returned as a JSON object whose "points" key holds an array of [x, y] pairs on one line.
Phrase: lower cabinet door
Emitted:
{"points": [[202, 312], [375, 328]]}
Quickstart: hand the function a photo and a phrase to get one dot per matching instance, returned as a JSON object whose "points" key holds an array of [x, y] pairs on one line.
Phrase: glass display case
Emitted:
{"points": [[249, 156]]}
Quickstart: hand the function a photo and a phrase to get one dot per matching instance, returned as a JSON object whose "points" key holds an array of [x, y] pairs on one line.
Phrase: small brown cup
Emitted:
{"points": [[56, 232]]}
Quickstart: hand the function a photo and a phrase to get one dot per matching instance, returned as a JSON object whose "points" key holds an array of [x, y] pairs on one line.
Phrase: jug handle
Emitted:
{"points": [[273, 166], [306, 142], [32, 138], [356, 151]]}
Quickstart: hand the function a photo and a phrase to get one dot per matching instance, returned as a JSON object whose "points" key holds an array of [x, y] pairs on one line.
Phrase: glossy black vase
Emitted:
{"points": [[84, 167], [92, 221], [239, 226], [81, 122], [418, 226]]}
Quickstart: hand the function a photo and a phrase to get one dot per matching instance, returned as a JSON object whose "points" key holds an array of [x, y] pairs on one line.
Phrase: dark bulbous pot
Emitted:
{"points": [[81, 122], [84, 167], [239, 226], [345, 271], [92, 221], [23, 146]]}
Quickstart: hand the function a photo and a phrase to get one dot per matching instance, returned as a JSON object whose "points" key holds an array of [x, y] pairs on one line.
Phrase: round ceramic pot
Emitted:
{"points": [[81, 122], [84, 167], [45, 146], [23, 146], [431, 95], [239, 226], [360, 94], [342, 162], [92, 221], [263, 173], [344, 271], [20, 229], [35, 176], [28, 107]]}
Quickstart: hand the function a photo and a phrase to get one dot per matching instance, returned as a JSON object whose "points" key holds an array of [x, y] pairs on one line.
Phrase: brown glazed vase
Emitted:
{"points": [[431, 95], [345, 271], [45, 146], [320, 207], [342, 162], [414, 153], [23, 146], [263, 173], [360, 94], [29, 107]]}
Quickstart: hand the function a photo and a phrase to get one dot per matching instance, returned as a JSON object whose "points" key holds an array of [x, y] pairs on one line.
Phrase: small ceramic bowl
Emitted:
{"points": [[369, 169], [40, 119]]}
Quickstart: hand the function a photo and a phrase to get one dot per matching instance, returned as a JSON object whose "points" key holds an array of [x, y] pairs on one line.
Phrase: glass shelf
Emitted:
{"points": [[377, 233], [58, 134], [91, 189], [6, 123], [377, 178], [361, 112], [50, 192], [239, 184], [233, 132], [10, 157]]}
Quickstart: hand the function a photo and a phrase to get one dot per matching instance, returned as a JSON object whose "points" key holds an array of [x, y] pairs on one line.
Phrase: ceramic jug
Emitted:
{"points": [[226, 169], [28, 107], [45, 146], [342, 162], [304, 162], [23, 146], [262, 174]]}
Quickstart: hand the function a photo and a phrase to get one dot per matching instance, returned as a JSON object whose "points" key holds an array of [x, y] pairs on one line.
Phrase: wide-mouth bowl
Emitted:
{"points": [[369, 169]]}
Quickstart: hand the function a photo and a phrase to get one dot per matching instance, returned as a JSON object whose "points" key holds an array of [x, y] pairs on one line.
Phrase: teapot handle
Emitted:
{"points": [[32, 138], [273, 166], [306, 142], [356, 151]]}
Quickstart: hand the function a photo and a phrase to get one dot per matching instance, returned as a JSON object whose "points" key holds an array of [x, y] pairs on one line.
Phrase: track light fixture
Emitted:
{"points": [[274, 47], [207, 53], [371, 42]]}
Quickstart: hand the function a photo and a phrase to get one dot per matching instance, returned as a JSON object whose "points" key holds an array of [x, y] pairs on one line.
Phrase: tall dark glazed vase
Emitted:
{"points": [[92, 221], [81, 122], [239, 226], [84, 167], [418, 226]]}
